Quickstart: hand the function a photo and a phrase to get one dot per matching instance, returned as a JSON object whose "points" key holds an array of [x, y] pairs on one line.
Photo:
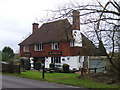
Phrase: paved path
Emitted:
{"points": [[17, 82]]}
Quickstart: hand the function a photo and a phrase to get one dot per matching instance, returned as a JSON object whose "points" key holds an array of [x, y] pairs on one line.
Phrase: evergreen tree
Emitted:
{"points": [[7, 53]]}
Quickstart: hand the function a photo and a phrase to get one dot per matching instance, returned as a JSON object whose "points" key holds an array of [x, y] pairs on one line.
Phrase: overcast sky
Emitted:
{"points": [[17, 16]]}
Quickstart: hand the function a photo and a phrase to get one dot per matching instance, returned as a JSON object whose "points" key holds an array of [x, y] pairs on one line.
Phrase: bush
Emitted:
{"points": [[22, 63], [59, 70], [65, 68], [11, 67], [37, 65], [25, 63], [52, 66], [116, 61]]}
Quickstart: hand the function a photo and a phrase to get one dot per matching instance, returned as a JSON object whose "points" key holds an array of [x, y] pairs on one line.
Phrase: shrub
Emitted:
{"points": [[52, 66], [65, 68], [59, 70], [22, 63], [37, 65], [25, 63], [11, 67]]}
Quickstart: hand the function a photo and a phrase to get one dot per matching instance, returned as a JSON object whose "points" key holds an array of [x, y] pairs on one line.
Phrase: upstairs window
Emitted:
{"points": [[38, 47], [26, 48], [55, 46]]}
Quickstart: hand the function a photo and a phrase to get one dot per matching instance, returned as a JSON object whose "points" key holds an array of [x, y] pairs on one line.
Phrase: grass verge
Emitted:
{"points": [[64, 78]]}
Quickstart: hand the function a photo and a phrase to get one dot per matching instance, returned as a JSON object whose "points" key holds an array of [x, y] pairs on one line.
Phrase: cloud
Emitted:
{"points": [[11, 33]]}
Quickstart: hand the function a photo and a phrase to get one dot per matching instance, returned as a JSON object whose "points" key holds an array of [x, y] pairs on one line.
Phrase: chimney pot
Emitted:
{"points": [[35, 26]]}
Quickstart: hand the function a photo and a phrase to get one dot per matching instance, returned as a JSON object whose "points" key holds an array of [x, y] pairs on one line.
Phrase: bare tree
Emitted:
{"points": [[102, 22]]}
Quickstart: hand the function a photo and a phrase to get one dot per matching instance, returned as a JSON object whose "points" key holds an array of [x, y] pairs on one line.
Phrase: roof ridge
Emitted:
{"points": [[56, 21]]}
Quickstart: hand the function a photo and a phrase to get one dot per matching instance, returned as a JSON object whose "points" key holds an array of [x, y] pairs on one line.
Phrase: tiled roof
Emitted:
{"points": [[56, 31], [88, 44]]}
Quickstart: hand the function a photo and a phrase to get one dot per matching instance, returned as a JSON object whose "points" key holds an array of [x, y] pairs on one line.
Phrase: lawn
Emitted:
{"points": [[64, 78]]}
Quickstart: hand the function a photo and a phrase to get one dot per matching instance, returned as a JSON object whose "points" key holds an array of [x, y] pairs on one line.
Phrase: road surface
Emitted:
{"points": [[17, 82]]}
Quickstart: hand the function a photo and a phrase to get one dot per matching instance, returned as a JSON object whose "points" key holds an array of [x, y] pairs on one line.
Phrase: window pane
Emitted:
{"points": [[71, 44], [26, 48], [55, 61], [52, 60], [38, 47], [58, 46], [59, 59], [52, 46], [55, 46]]}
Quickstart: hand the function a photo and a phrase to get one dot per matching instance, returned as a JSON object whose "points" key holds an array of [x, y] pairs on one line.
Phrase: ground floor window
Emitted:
{"points": [[55, 59]]}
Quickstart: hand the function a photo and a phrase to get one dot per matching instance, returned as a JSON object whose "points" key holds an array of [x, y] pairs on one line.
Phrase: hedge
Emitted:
{"points": [[52, 66], [65, 68], [37, 65], [10, 68]]}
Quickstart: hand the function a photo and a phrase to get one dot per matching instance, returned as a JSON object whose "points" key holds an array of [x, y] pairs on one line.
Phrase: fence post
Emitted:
{"points": [[95, 70], [81, 71], [89, 70], [19, 68], [105, 68]]}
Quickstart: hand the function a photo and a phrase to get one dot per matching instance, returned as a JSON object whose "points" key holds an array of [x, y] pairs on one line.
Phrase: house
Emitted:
{"points": [[58, 42]]}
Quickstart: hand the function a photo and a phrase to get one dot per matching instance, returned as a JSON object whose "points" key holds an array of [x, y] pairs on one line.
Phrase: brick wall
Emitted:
{"points": [[64, 48]]}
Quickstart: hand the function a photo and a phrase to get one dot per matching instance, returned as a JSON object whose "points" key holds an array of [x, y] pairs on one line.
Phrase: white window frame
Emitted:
{"points": [[55, 59], [38, 47], [26, 48], [54, 46]]}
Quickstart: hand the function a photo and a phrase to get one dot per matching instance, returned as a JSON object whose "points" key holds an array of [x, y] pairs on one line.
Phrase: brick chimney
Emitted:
{"points": [[76, 20], [35, 26]]}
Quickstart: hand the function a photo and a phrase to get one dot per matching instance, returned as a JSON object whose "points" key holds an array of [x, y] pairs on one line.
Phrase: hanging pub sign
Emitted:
{"points": [[54, 53]]}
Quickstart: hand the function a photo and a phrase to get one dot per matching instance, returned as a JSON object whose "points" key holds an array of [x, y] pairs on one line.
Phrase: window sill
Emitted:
{"points": [[55, 49], [25, 51], [38, 51]]}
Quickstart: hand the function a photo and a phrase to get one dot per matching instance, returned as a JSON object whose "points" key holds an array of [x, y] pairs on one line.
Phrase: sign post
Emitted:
{"points": [[43, 66]]}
